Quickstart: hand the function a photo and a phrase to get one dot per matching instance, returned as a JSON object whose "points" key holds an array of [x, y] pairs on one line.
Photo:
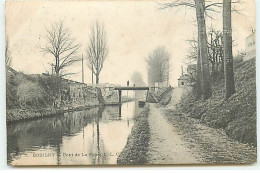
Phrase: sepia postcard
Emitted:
{"points": [[130, 82]]}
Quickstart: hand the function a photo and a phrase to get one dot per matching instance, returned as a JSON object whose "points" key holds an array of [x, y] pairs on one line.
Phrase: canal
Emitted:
{"points": [[87, 137]]}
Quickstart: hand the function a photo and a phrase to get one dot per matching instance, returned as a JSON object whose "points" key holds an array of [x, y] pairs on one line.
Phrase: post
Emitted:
{"points": [[127, 84], [120, 111], [92, 74], [119, 94]]}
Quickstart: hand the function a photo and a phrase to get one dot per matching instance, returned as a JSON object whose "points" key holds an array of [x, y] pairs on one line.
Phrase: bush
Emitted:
{"points": [[236, 115], [29, 94]]}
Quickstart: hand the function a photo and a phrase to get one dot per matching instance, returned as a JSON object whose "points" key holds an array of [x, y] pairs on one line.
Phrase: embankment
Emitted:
{"points": [[236, 115], [161, 96], [135, 151], [35, 96]]}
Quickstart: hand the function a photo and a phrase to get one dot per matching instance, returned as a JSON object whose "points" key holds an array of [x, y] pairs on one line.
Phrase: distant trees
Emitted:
{"points": [[62, 46], [137, 79], [97, 49], [158, 66]]}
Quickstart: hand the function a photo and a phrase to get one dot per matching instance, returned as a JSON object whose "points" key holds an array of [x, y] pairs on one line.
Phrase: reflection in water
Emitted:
{"points": [[93, 136], [120, 109]]}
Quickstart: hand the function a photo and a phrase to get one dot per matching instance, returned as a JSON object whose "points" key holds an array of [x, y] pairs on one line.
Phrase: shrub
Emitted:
{"points": [[29, 94]]}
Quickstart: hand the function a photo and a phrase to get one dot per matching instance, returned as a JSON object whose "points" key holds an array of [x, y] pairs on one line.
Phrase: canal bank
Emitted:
{"points": [[18, 115], [135, 151], [38, 96], [163, 135]]}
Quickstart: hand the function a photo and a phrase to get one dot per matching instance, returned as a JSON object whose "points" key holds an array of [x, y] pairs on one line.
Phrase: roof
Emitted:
{"points": [[184, 77], [193, 66]]}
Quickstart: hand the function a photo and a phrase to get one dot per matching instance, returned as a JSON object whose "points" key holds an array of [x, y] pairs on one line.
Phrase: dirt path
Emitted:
{"points": [[166, 146], [178, 139], [176, 97]]}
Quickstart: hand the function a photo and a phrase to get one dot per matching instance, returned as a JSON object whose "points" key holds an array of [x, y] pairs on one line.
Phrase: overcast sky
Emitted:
{"points": [[133, 28]]}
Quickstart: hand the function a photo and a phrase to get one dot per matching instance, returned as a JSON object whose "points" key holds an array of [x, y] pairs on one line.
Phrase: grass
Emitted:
{"points": [[135, 151], [236, 115]]}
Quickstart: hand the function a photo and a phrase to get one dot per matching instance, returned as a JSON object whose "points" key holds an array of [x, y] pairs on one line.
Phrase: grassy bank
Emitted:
{"points": [[208, 144], [161, 96], [137, 143], [236, 115], [30, 96]]}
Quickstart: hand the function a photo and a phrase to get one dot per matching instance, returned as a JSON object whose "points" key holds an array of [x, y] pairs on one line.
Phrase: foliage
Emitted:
{"points": [[31, 91], [137, 79], [51, 85], [11, 89], [158, 65], [29, 94], [235, 115]]}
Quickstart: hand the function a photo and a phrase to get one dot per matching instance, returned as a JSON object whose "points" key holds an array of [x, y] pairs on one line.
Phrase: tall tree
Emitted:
{"points": [[62, 46], [203, 52], [228, 57], [97, 49], [203, 75]]}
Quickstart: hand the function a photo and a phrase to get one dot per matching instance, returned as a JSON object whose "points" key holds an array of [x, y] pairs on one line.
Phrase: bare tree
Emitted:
{"points": [[158, 66], [228, 56], [202, 9], [97, 49], [215, 53], [8, 56], [62, 46], [203, 84]]}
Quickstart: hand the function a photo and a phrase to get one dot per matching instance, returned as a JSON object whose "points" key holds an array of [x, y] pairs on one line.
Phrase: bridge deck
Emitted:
{"points": [[131, 88]]}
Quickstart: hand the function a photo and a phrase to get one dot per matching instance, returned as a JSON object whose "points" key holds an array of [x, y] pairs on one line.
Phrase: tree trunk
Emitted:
{"points": [[57, 71], [198, 91], [228, 59], [202, 44], [97, 78]]}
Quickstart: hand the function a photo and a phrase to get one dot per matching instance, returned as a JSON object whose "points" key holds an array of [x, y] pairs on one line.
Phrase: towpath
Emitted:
{"points": [[178, 139]]}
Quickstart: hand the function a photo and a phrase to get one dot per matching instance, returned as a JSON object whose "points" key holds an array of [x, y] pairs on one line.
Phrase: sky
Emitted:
{"points": [[134, 28]]}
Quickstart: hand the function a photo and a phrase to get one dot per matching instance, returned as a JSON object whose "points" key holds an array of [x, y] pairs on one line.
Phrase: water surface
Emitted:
{"points": [[93, 136]]}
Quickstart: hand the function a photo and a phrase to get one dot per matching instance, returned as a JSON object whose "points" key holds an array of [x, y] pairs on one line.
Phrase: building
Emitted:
{"points": [[184, 80], [250, 47], [188, 79]]}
